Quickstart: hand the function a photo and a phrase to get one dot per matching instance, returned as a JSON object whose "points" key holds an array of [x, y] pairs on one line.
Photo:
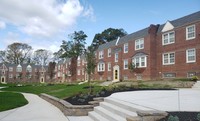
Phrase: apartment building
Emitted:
{"points": [[23, 73], [169, 50]]}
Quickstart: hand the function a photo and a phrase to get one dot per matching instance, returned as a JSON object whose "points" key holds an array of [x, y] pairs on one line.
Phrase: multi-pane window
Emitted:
{"points": [[168, 38], [109, 66], [109, 52], [139, 44], [101, 67], [126, 64], [28, 69], [83, 71], [190, 32], [191, 55], [116, 57], [19, 69], [168, 58], [101, 54], [126, 48], [83, 62], [140, 61], [10, 69]]}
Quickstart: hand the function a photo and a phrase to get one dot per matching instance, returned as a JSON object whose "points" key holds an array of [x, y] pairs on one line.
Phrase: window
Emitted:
{"points": [[169, 75], [168, 38], [19, 69], [28, 69], [116, 57], [83, 62], [101, 67], [10, 69], [140, 61], [83, 71], [109, 66], [109, 52], [190, 32], [168, 58], [139, 44], [78, 72], [126, 48], [78, 61], [100, 54], [190, 55], [125, 64], [66, 65], [191, 74], [10, 76]]}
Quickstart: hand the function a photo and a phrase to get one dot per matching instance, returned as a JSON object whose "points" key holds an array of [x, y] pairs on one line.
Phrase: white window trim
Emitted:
{"points": [[10, 69], [141, 39], [125, 60], [78, 72], [187, 32], [168, 58], [187, 56], [116, 59], [109, 52], [168, 33], [125, 45], [100, 68], [101, 54], [145, 61], [109, 64]]}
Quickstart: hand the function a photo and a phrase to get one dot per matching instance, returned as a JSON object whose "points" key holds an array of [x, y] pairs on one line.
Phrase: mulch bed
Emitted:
{"points": [[183, 116], [83, 99]]}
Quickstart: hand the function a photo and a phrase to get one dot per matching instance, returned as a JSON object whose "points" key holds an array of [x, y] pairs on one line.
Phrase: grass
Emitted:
{"points": [[57, 90], [10, 100]]}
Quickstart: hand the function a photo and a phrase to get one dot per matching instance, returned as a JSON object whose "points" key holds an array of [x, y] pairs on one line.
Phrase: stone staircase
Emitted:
{"points": [[196, 85], [115, 110]]}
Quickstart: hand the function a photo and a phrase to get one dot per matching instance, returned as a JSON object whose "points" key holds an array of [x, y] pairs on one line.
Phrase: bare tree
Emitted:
{"points": [[18, 53], [51, 69], [42, 56], [2, 56]]}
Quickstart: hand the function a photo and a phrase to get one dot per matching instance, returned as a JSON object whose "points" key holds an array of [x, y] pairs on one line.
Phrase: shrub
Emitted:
{"points": [[194, 78], [198, 117], [173, 118]]}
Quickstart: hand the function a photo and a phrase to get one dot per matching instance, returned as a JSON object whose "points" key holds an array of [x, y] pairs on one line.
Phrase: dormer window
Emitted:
{"points": [[28, 69], [109, 52], [168, 38], [19, 68], [126, 48]]}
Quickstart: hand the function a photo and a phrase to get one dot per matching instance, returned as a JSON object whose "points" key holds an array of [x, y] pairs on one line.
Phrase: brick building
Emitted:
{"points": [[170, 50], [21, 73]]}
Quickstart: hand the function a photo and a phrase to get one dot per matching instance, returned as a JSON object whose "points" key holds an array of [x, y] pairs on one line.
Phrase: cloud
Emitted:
{"points": [[2, 25], [89, 13], [41, 17]]}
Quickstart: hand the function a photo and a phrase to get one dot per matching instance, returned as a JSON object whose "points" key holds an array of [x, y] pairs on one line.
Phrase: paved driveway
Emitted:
{"points": [[174, 100], [36, 110]]}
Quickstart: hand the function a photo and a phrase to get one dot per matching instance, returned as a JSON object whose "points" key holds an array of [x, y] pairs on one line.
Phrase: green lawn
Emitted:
{"points": [[10, 100], [57, 90]]}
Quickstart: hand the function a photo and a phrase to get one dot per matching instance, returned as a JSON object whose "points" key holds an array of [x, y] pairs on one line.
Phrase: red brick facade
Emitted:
{"points": [[171, 50]]}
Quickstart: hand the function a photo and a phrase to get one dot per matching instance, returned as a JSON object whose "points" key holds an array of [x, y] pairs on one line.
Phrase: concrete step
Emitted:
{"points": [[96, 117], [196, 85], [108, 115], [117, 110], [128, 106]]}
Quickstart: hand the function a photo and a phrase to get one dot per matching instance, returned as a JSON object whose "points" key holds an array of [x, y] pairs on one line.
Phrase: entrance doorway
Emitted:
{"points": [[116, 73], [42, 80], [3, 80]]}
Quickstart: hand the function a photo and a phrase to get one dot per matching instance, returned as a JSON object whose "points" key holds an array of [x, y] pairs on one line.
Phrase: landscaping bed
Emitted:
{"points": [[83, 98], [182, 116]]}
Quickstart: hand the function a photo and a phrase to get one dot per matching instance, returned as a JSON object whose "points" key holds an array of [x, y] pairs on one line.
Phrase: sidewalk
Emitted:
{"points": [[36, 110], [165, 100]]}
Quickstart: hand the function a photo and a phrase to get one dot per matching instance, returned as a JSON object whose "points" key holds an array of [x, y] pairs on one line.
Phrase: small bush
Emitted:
{"points": [[194, 78], [198, 117], [173, 118]]}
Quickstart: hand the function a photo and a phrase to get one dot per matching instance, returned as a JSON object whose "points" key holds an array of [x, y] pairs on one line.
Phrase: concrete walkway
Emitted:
{"points": [[36, 110], [166, 100]]}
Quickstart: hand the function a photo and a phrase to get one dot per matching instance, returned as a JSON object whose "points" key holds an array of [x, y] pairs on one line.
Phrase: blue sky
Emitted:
{"points": [[45, 25]]}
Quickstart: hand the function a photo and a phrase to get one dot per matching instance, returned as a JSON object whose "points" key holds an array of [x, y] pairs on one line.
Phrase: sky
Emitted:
{"points": [[43, 24]]}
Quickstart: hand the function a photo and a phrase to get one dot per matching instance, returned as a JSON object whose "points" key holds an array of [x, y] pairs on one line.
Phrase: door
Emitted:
{"points": [[116, 73], [42, 80], [3, 79]]}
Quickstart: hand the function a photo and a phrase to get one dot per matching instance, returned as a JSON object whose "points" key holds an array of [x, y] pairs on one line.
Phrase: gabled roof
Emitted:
{"points": [[183, 20]]}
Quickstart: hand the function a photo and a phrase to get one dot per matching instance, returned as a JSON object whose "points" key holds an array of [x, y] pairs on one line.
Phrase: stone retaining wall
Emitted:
{"points": [[67, 108]]}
